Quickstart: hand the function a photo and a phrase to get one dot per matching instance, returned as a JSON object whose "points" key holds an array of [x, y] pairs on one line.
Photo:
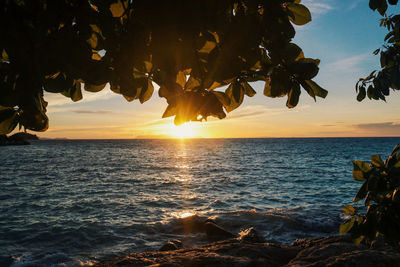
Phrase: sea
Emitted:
{"points": [[77, 202]]}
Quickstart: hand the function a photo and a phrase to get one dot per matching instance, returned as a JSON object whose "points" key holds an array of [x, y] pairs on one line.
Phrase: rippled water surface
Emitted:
{"points": [[74, 202]]}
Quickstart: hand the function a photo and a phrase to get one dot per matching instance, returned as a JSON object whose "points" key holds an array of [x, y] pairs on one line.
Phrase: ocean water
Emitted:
{"points": [[74, 202]]}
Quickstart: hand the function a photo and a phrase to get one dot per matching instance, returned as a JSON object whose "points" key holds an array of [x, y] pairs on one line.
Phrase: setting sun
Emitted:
{"points": [[185, 130]]}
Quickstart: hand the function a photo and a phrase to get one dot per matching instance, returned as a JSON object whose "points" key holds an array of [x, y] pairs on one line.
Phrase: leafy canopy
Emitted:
{"points": [[376, 85], [381, 194], [189, 48]]}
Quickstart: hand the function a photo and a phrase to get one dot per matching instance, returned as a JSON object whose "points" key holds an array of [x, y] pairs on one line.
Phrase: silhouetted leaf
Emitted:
{"points": [[360, 168], [170, 111], [345, 227], [146, 92], [8, 120], [117, 8], [293, 96], [94, 88], [248, 90], [181, 79], [350, 210], [377, 161], [301, 14], [222, 98], [318, 91], [361, 94], [362, 192]]}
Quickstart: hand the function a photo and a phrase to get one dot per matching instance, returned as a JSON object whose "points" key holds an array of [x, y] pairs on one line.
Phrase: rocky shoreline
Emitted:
{"points": [[321, 251], [250, 249]]}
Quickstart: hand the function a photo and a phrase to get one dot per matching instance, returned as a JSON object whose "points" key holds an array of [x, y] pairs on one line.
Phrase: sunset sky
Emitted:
{"points": [[343, 34]]}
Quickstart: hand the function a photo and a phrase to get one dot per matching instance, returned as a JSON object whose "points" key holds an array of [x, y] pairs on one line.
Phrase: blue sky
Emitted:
{"points": [[343, 34]]}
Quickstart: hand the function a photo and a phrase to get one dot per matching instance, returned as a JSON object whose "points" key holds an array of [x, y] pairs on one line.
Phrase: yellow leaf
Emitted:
{"points": [[93, 40], [4, 56], [117, 9], [96, 56], [208, 47]]}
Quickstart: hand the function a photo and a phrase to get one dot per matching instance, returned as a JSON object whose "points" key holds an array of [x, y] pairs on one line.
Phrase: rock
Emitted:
{"points": [[320, 251], [213, 231], [250, 235], [171, 245], [222, 253], [17, 139], [341, 251]]}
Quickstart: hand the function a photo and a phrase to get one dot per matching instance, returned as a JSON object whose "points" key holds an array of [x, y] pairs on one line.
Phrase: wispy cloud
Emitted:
{"points": [[381, 128], [80, 111], [318, 7], [354, 4], [59, 100]]}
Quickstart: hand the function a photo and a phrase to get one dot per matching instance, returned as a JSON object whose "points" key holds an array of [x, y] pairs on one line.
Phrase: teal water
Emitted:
{"points": [[73, 202]]}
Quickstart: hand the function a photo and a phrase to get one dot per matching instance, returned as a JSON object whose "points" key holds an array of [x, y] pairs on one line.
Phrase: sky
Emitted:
{"points": [[343, 34]]}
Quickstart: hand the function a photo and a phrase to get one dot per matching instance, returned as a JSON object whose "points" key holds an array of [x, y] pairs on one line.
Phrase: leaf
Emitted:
{"points": [[208, 47], [318, 91], [301, 13], [93, 40], [94, 88], [382, 7], [236, 91], [147, 92], [8, 120], [377, 161], [169, 111], [350, 210], [248, 90], [345, 227], [4, 56], [358, 240], [76, 93], [117, 9], [222, 98], [361, 94], [360, 168], [96, 56], [362, 192], [293, 96], [181, 79], [192, 83], [233, 102]]}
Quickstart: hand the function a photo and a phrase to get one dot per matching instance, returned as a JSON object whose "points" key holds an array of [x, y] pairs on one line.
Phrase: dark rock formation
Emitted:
{"points": [[223, 253], [213, 231], [251, 235], [17, 139], [323, 251], [171, 245]]}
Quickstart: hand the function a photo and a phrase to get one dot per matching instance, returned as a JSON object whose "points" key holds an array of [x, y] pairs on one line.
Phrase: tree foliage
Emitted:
{"points": [[376, 85], [189, 48], [381, 194]]}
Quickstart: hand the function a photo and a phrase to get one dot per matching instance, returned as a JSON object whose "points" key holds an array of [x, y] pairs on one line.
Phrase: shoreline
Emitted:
{"points": [[317, 251]]}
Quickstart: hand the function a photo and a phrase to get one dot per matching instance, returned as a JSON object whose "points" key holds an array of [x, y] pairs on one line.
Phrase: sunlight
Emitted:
{"points": [[183, 131]]}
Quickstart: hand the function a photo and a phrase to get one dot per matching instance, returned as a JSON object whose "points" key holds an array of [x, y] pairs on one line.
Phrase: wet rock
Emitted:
{"points": [[341, 251], [213, 231], [222, 253], [321, 251], [250, 235], [171, 245]]}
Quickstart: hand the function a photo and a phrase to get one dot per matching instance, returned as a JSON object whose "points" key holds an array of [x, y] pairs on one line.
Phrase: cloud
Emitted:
{"points": [[354, 4], [59, 100], [353, 63], [381, 129], [318, 7], [328, 125], [79, 111]]}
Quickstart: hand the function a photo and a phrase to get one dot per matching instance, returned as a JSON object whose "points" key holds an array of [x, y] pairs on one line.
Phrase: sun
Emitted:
{"points": [[182, 131]]}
